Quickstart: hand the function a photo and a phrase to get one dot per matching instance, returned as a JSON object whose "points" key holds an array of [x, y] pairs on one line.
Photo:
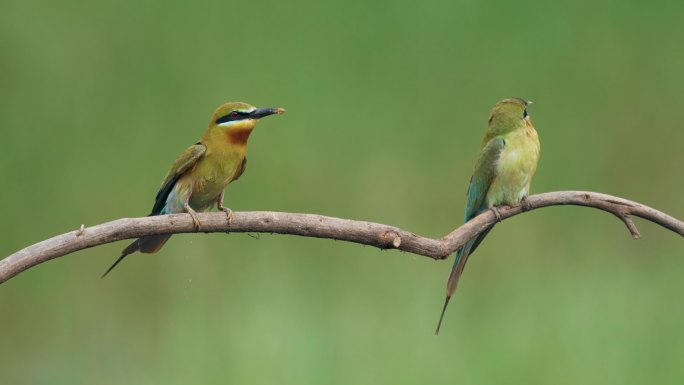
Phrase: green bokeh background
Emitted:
{"points": [[387, 103]]}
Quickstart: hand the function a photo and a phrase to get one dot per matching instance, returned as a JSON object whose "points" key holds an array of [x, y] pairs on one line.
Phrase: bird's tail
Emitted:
{"points": [[150, 244], [459, 263], [462, 255]]}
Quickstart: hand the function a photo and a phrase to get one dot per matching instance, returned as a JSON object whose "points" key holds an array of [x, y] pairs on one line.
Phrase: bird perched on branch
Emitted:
{"points": [[502, 176], [197, 179]]}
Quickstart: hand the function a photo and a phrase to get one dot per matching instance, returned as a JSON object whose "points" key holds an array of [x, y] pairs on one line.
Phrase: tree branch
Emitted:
{"points": [[318, 226]]}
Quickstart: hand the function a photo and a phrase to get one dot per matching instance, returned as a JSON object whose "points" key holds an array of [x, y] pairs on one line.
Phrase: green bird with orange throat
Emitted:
{"points": [[502, 176], [197, 179]]}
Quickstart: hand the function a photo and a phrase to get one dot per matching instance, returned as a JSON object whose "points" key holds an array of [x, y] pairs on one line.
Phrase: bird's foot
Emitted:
{"points": [[526, 206], [221, 207], [193, 214], [229, 213], [496, 213]]}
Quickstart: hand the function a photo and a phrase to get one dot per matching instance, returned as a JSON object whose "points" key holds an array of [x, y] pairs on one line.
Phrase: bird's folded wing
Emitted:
{"points": [[483, 177], [184, 162]]}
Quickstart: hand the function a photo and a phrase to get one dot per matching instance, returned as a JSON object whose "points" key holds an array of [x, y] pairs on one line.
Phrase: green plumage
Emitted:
{"points": [[198, 177], [502, 175]]}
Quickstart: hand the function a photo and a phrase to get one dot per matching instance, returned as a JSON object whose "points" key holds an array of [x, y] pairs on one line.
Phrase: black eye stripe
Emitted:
{"points": [[229, 117]]}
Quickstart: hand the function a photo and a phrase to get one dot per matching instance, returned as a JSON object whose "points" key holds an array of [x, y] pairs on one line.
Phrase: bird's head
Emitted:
{"points": [[236, 120], [508, 115]]}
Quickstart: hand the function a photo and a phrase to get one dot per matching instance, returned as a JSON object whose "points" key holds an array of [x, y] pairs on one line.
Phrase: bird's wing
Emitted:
{"points": [[483, 177], [240, 169], [184, 162]]}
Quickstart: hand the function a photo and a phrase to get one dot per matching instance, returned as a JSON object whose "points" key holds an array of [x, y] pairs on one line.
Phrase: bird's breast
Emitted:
{"points": [[514, 169], [211, 176]]}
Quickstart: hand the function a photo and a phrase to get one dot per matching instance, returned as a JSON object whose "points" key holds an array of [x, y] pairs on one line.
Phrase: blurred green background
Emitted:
{"points": [[387, 103]]}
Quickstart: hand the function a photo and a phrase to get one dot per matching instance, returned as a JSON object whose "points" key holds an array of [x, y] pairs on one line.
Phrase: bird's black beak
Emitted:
{"points": [[261, 112]]}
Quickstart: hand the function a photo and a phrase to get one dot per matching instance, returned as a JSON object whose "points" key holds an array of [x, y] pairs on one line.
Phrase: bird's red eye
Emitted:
{"points": [[234, 114]]}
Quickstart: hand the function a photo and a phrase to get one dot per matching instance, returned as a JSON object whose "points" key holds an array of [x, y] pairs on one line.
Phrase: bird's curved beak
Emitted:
{"points": [[261, 112]]}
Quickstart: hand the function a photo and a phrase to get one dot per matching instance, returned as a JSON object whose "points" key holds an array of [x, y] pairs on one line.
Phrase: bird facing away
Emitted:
{"points": [[502, 176], [197, 179]]}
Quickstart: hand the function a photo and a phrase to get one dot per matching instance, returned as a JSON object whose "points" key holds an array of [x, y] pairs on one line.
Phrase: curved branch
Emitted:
{"points": [[311, 225]]}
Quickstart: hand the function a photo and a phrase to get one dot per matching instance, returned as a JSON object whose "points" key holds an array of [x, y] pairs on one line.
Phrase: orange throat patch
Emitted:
{"points": [[238, 136]]}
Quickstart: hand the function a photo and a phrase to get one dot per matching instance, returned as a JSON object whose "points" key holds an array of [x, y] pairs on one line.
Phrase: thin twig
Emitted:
{"points": [[318, 226]]}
